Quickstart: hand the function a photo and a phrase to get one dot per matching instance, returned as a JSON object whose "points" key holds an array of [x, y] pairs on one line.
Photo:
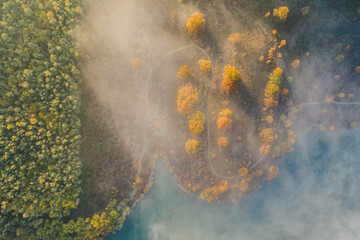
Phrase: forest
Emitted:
{"points": [[82, 125]]}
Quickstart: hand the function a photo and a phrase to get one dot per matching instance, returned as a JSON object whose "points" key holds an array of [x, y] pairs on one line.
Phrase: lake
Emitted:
{"points": [[316, 196]]}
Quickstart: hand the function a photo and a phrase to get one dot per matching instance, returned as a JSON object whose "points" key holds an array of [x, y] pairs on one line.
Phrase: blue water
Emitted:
{"points": [[316, 196]]}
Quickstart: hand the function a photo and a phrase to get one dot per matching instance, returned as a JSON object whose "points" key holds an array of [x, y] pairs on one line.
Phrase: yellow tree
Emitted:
{"points": [[281, 13], [272, 89], [234, 38], [266, 135], [205, 66], [230, 77], [196, 122], [191, 146], [186, 97], [195, 24]]}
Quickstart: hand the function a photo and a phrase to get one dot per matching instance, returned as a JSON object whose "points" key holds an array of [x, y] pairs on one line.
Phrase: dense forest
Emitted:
{"points": [[220, 106]]}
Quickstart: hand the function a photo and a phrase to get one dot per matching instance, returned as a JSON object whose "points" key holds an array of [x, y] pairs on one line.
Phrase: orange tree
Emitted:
{"points": [[222, 141], [230, 77], [184, 72]]}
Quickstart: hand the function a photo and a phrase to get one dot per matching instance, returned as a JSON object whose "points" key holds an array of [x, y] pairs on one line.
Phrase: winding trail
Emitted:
{"points": [[146, 102], [211, 167]]}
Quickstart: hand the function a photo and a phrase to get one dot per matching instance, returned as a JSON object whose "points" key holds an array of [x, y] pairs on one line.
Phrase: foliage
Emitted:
{"points": [[234, 38], [223, 123], [266, 135], [212, 193], [191, 146], [269, 119], [230, 72], [40, 139], [225, 113], [295, 64], [272, 172], [196, 122], [39, 114], [243, 172], [340, 58], [230, 77], [272, 89], [184, 72], [228, 85], [222, 141], [98, 225], [281, 13], [195, 24], [265, 149], [205, 66], [186, 97]]}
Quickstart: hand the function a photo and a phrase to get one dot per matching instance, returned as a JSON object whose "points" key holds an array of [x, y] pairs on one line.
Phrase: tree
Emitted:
{"points": [[281, 13], [243, 172], [231, 72], [234, 38], [205, 66], [265, 149], [223, 123], [225, 113], [186, 97], [184, 72], [272, 172], [196, 122], [230, 77], [272, 89], [266, 135], [195, 24], [191, 146], [222, 141], [228, 85]]}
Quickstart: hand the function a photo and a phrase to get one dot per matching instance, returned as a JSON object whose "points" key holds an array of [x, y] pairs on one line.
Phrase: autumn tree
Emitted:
{"points": [[184, 72], [225, 113], [222, 141], [223, 123], [266, 135], [272, 172], [186, 97], [191, 146], [196, 122], [272, 89], [234, 38], [228, 85], [205, 66], [212, 193], [195, 24], [231, 72], [230, 77], [265, 149], [243, 172], [281, 13]]}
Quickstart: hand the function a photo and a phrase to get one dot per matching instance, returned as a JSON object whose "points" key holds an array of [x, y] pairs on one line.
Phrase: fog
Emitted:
{"points": [[314, 197], [134, 49]]}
